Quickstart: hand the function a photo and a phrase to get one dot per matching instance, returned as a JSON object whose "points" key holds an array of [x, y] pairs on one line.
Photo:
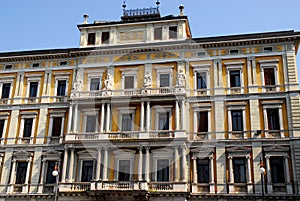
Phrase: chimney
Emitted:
{"points": [[181, 8], [85, 16]]}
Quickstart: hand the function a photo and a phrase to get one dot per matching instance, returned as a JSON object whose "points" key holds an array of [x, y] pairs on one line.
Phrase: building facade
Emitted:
{"points": [[144, 111]]}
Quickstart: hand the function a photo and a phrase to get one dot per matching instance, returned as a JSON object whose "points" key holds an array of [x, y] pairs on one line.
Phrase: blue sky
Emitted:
{"points": [[45, 24]]}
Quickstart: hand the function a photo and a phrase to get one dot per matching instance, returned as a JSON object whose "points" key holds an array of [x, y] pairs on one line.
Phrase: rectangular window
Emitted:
{"points": [[91, 39], [233, 52], [235, 80], [95, 84], [8, 67], [90, 123], [2, 123], [268, 49], [35, 65], [172, 32], [56, 127], [124, 170], [203, 121], [239, 170], [162, 170], [63, 63], [203, 170], [105, 38], [164, 80], [269, 76], [277, 169], [27, 127], [33, 88], [61, 87], [201, 81], [126, 122], [5, 90], [87, 171], [237, 120], [273, 119], [21, 172], [50, 179], [128, 82], [158, 33], [163, 121]]}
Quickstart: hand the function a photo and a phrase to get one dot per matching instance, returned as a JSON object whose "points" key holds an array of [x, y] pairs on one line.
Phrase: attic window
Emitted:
{"points": [[35, 65], [158, 33], [172, 32], [91, 38], [268, 49], [234, 52], [63, 63], [201, 54], [105, 38], [8, 67]]}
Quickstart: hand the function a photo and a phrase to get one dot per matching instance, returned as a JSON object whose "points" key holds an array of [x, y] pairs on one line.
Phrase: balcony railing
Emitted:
{"points": [[74, 187], [161, 134], [200, 136], [168, 186]]}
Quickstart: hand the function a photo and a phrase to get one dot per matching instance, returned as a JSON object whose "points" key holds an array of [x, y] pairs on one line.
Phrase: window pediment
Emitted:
{"points": [[239, 149], [276, 148]]}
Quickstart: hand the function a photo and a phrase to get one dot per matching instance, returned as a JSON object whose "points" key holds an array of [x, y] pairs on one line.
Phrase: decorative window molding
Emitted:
{"points": [[4, 117], [31, 78], [91, 112], [86, 156], [94, 74], [56, 114], [128, 110], [124, 154], [24, 116], [202, 69], [236, 107], [269, 64], [162, 154], [202, 108], [163, 109], [126, 72], [4, 83], [235, 66], [164, 70]]}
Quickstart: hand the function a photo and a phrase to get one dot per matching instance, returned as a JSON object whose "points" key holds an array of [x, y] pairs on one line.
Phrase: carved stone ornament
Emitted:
{"points": [[77, 85], [147, 80], [181, 78], [108, 82]]}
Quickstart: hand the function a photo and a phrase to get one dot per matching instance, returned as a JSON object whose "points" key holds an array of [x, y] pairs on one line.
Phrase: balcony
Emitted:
{"points": [[200, 136], [118, 186], [201, 92], [167, 187], [74, 187]]}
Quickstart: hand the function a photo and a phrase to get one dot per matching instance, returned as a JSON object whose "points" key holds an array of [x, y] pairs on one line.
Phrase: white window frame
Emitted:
{"points": [[202, 68], [269, 64], [231, 66], [33, 78], [163, 109], [202, 108], [4, 116], [232, 107], [27, 115], [163, 154], [124, 155], [53, 114], [129, 72], [86, 156], [91, 112], [273, 105], [164, 70], [94, 74], [127, 110], [7, 80]]}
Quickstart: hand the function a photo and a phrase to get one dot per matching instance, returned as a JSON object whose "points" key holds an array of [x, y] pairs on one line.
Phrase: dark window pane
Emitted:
{"points": [[95, 83], [239, 170], [105, 38], [273, 119], [163, 123], [269, 76], [50, 179], [27, 127], [157, 33], [237, 120], [234, 52], [173, 32], [2, 123], [87, 171], [56, 128], [164, 80], [126, 122], [277, 169], [201, 81], [129, 82], [235, 80], [61, 87], [203, 121], [21, 172], [33, 89], [91, 123], [91, 38], [162, 170], [124, 170], [203, 171], [5, 90]]}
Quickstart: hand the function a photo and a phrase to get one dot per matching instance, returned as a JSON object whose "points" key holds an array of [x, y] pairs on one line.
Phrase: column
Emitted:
{"points": [[98, 164], [147, 165], [289, 187], [70, 118], [268, 170], [102, 118], [107, 117], [148, 116], [140, 163], [75, 120], [195, 178], [249, 71], [249, 179], [177, 115], [211, 175], [231, 176], [40, 187], [64, 171], [184, 166], [25, 187], [13, 172], [281, 122], [142, 117], [105, 164], [182, 115], [176, 171], [71, 165]]}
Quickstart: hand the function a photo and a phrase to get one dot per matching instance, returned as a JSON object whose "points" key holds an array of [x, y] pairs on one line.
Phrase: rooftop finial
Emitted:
{"points": [[124, 6], [85, 16], [181, 8], [157, 3]]}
